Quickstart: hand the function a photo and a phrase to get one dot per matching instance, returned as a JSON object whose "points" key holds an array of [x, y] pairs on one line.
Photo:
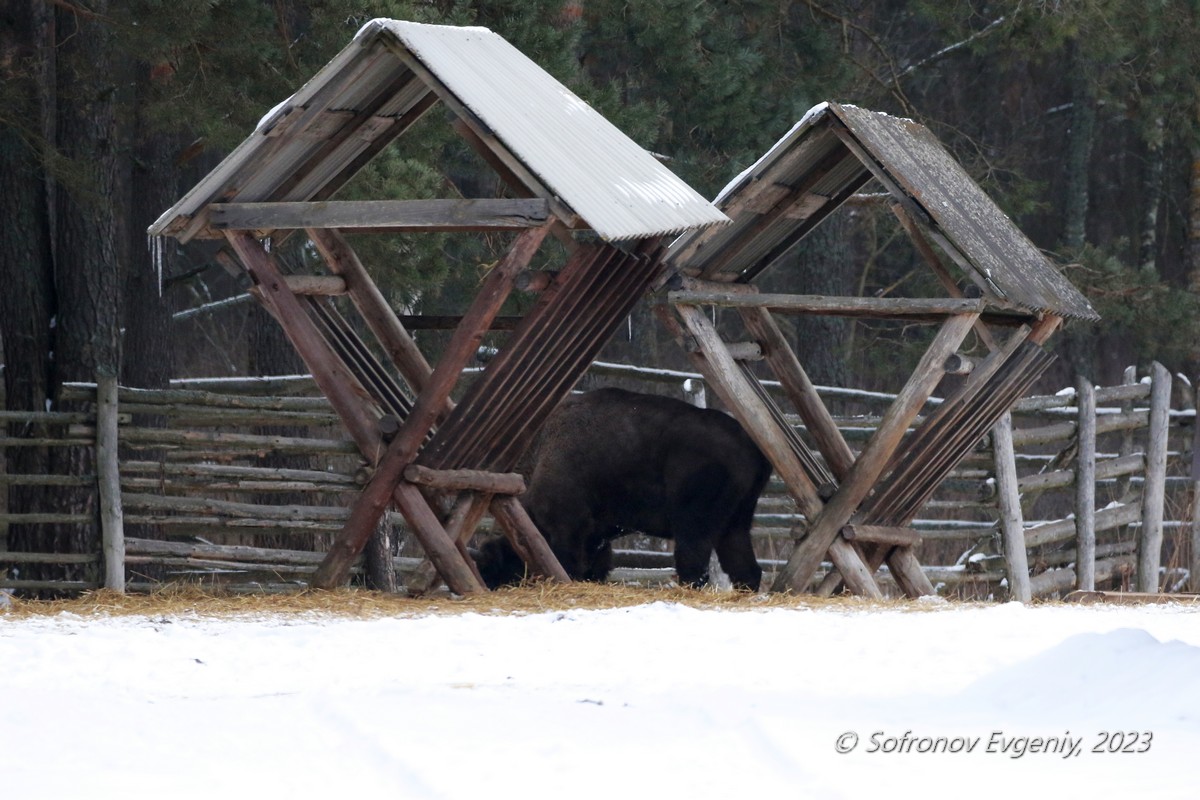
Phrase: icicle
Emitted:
{"points": [[155, 245]]}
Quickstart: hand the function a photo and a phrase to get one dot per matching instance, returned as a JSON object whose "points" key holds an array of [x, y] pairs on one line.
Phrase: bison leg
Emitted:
{"points": [[736, 554], [599, 560]]}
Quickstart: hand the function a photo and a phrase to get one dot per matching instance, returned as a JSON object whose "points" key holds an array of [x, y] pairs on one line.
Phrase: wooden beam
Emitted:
{"points": [[535, 280], [807, 556], [402, 449], [458, 480], [1044, 328], [1085, 486], [906, 569], [958, 364], [1012, 522], [858, 576], [881, 307], [441, 550], [1128, 598], [738, 351], [108, 479], [909, 223], [374, 308], [725, 377], [382, 215], [731, 384], [346, 394], [318, 285], [1150, 537], [800, 390], [527, 540], [680, 282], [446, 322], [464, 518], [876, 534]]}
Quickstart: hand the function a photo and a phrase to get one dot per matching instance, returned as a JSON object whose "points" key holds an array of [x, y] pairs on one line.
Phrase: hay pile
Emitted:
{"points": [[191, 601]]}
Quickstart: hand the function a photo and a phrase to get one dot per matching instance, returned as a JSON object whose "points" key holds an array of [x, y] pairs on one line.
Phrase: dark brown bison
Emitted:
{"points": [[612, 462]]}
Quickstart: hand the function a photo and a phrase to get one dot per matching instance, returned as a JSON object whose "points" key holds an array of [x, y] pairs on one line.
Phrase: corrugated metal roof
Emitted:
{"points": [[607, 178], [312, 143], [810, 171]]}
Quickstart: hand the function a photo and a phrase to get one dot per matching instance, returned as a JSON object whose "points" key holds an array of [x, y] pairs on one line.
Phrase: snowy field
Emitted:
{"points": [[659, 700]]}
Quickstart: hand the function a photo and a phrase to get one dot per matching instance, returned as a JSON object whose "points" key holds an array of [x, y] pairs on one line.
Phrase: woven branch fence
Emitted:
{"points": [[187, 486]]}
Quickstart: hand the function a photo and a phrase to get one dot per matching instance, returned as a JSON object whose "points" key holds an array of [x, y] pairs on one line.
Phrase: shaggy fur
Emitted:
{"points": [[612, 462]]}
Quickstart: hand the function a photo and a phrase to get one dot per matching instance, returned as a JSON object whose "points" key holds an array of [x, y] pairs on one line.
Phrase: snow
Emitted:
{"points": [[784, 141], [656, 700]]}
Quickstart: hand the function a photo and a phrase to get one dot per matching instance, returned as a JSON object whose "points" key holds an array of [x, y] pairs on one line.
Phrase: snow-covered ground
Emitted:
{"points": [[660, 700]]}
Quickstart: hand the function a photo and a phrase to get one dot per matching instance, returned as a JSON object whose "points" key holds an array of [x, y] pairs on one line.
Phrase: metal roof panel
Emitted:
{"points": [[309, 145], [608, 179]]}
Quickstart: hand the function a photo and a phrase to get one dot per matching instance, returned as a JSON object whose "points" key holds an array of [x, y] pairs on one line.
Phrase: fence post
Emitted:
{"points": [[1012, 526], [1154, 491], [1085, 486], [108, 477]]}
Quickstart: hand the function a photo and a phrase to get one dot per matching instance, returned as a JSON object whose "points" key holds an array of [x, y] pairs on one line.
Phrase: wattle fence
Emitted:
{"points": [[243, 483]]}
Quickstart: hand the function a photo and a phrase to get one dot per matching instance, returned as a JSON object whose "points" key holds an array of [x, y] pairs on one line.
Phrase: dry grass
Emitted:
{"points": [[191, 601]]}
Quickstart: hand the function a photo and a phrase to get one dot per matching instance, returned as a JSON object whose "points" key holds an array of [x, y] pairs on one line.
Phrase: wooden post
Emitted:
{"points": [[108, 476], [381, 568], [1012, 525], [855, 573], [1194, 573], [723, 375], [1085, 486], [939, 269], [806, 557], [375, 310], [526, 539], [800, 390], [386, 483], [1154, 490], [1123, 483], [346, 394], [444, 553], [464, 518]]}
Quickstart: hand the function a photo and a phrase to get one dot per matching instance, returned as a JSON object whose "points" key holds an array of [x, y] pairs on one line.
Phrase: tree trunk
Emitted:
{"points": [[823, 267], [26, 259], [1079, 151], [148, 355], [90, 231], [1152, 179], [1193, 245]]}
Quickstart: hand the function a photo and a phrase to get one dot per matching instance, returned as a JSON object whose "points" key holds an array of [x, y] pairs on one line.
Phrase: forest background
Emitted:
{"points": [[1080, 117]]}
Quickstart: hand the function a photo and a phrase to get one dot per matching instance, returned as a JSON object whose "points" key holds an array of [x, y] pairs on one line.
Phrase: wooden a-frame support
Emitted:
{"points": [[416, 499], [836, 528], [857, 477]]}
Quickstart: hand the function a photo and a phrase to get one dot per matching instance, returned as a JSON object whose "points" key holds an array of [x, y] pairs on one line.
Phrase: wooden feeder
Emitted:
{"points": [[859, 509], [444, 465]]}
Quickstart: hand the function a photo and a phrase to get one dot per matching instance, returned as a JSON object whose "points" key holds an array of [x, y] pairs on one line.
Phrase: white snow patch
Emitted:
{"points": [[660, 700]]}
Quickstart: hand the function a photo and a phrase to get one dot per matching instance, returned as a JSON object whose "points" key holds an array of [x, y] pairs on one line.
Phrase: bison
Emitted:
{"points": [[611, 462]]}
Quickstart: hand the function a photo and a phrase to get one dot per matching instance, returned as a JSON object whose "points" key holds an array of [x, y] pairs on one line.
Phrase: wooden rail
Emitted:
{"points": [[206, 481]]}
